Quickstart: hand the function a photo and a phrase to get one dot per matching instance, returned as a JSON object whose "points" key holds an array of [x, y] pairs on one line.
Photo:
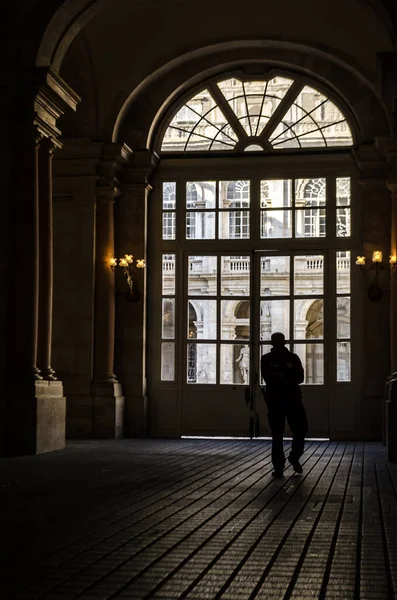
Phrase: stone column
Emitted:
{"points": [[108, 402], [391, 432], [375, 234], [131, 317], [35, 412], [46, 260], [392, 187]]}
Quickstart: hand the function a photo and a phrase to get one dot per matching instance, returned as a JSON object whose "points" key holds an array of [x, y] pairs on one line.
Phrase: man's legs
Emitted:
{"points": [[297, 421], [277, 423]]}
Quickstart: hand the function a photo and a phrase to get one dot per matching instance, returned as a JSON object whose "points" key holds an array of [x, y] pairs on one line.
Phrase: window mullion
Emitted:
{"points": [[330, 210], [281, 109], [227, 111]]}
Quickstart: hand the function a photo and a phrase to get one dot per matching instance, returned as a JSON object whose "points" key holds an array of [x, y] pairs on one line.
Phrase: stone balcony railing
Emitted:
{"points": [[339, 130], [242, 265], [169, 265]]}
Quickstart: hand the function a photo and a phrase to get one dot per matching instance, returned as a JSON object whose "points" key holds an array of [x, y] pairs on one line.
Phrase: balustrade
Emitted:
{"points": [[169, 265], [242, 265]]}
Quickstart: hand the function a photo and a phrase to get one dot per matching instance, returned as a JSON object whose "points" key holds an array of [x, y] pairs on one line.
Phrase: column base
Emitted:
{"points": [[36, 374], [48, 374], [107, 411], [35, 418]]}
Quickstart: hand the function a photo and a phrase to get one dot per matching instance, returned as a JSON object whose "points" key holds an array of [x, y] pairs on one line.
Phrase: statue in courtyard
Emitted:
{"points": [[244, 360]]}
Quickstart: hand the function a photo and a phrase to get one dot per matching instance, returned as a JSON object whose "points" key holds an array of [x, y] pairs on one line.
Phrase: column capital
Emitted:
{"points": [[113, 160], [40, 136], [107, 193], [142, 167], [52, 143]]}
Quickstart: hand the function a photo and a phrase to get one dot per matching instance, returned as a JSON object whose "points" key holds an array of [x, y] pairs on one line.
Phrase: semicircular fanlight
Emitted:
{"points": [[279, 111]]}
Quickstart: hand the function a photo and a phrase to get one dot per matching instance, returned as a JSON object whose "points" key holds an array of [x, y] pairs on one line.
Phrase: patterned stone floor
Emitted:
{"points": [[198, 519]]}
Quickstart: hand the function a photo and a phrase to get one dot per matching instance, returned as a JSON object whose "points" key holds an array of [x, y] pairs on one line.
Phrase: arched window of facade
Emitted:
{"points": [[313, 200], [238, 197], [169, 205], [191, 203]]}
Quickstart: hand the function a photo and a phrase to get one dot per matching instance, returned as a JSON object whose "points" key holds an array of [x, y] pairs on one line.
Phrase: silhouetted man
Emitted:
{"points": [[282, 372]]}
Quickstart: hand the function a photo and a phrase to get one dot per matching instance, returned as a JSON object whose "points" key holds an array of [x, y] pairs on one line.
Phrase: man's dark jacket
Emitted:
{"points": [[282, 373]]}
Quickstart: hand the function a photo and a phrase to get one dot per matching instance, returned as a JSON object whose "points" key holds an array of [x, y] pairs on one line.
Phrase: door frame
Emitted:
{"points": [[333, 164]]}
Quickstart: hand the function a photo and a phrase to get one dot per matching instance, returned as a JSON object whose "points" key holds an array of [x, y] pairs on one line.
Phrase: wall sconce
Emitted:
{"points": [[377, 264], [129, 267]]}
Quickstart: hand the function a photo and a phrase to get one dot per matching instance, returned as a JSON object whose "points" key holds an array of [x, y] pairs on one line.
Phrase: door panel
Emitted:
{"points": [[215, 411], [216, 343], [282, 292], [289, 298]]}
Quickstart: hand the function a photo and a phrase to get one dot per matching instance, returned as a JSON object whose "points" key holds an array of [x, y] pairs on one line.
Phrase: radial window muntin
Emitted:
{"points": [[290, 114]]}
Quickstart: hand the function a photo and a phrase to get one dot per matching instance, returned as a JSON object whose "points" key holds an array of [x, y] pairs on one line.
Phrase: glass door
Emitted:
{"points": [[231, 262], [233, 305], [218, 306]]}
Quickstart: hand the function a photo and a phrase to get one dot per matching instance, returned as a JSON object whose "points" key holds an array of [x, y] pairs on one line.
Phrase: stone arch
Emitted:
{"points": [[140, 117], [306, 317], [66, 23], [48, 29], [314, 318], [310, 313], [242, 310], [242, 319]]}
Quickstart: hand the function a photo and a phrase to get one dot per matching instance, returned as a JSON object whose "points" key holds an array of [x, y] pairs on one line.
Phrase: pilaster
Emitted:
{"points": [[44, 343], [375, 234], [131, 228], [104, 286], [392, 187], [107, 395]]}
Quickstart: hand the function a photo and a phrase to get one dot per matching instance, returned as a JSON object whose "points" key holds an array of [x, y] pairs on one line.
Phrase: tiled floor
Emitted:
{"points": [[198, 519]]}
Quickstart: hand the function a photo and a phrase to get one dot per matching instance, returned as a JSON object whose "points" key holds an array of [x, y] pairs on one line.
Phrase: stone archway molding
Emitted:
{"points": [[67, 22], [138, 118]]}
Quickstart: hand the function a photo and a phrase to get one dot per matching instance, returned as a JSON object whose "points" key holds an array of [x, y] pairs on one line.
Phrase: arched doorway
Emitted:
{"points": [[261, 240]]}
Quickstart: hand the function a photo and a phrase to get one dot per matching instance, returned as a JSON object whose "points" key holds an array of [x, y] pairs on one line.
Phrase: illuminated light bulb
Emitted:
{"points": [[113, 262], [140, 263], [377, 256], [129, 258], [123, 262], [360, 260], [393, 259]]}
